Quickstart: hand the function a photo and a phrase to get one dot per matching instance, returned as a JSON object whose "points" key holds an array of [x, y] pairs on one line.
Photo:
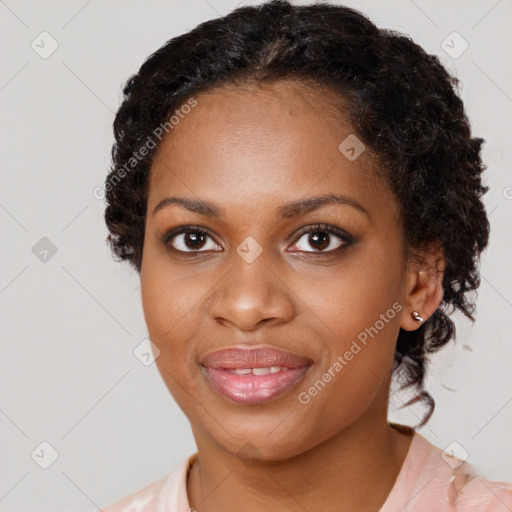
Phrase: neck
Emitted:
{"points": [[353, 470]]}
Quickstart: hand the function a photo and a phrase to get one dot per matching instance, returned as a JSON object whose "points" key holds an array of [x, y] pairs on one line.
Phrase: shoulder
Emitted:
{"points": [[469, 492], [438, 480], [472, 493], [141, 500], [164, 493]]}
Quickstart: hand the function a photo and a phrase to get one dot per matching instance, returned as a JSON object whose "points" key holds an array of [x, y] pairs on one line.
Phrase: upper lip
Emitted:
{"points": [[253, 357]]}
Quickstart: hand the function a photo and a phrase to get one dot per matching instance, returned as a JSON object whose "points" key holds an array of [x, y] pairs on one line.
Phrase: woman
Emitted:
{"points": [[301, 196]]}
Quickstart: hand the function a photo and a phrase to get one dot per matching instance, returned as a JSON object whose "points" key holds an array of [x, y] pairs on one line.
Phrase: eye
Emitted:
{"points": [[189, 239], [323, 239]]}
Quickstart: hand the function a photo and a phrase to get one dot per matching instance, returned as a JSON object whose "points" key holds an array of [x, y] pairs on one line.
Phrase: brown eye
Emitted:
{"points": [[189, 240], [322, 239]]}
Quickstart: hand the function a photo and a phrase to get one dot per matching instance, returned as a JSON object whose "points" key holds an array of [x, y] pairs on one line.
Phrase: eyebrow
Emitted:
{"points": [[288, 210]]}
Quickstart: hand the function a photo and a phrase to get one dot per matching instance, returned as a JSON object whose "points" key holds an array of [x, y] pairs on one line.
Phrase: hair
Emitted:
{"points": [[402, 103]]}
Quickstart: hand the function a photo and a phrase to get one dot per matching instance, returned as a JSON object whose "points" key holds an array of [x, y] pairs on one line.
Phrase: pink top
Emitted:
{"points": [[429, 481]]}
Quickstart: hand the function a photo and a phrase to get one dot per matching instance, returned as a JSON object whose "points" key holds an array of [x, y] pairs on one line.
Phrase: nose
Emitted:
{"points": [[252, 296]]}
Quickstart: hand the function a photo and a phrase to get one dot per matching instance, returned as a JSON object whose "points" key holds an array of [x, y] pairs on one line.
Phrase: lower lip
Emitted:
{"points": [[254, 389]]}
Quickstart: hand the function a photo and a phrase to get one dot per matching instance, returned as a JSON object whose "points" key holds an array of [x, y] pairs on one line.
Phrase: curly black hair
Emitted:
{"points": [[401, 101]]}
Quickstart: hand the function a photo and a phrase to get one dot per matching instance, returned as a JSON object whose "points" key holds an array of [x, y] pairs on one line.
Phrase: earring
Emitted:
{"points": [[416, 316]]}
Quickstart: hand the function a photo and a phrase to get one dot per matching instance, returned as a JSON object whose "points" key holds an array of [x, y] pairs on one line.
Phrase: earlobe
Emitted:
{"points": [[424, 290]]}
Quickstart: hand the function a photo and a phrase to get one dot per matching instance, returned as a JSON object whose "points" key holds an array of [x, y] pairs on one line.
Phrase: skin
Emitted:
{"points": [[249, 151]]}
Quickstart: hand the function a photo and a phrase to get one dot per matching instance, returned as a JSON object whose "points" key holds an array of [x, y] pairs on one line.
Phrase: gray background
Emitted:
{"points": [[69, 324]]}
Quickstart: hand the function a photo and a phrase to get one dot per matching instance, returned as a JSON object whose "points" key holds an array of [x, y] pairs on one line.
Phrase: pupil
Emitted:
{"points": [[318, 239], [196, 237]]}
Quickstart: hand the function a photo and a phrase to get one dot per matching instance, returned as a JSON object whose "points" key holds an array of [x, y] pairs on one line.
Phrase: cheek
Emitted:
{"points": [[350, 299], [174, 301], [356, 313], [165, 303], [170, 295], [354, 375], [171, 320]]}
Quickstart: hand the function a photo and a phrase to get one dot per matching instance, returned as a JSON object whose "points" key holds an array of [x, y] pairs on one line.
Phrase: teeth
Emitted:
{"points": [[256, 371], [260, 371], [242, 371]]}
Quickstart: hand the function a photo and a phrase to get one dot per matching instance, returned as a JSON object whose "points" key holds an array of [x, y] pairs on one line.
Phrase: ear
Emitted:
{"points": [[423, 291]]}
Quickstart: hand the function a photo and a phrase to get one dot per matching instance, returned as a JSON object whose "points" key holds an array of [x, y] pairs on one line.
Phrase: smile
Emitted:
{"points": [[253, 376]]}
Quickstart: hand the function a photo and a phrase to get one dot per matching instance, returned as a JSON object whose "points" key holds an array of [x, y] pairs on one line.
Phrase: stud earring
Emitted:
{"points": [[416, 316]]}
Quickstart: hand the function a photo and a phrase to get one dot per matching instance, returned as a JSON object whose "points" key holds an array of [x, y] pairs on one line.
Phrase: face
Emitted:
{"points": [[317, 285]]}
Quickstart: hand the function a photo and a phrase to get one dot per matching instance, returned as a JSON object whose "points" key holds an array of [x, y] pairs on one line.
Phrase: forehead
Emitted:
{"points": [[261, 143]]}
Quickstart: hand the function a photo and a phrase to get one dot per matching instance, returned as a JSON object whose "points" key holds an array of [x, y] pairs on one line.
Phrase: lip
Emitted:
{"points": [[281, 369]]}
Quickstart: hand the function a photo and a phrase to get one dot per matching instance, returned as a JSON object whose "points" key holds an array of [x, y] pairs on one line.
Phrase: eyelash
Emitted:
{"points": [[346, 238]]}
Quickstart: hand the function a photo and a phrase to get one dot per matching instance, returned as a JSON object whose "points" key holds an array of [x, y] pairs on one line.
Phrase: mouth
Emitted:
{"points": [[252, 376]]}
